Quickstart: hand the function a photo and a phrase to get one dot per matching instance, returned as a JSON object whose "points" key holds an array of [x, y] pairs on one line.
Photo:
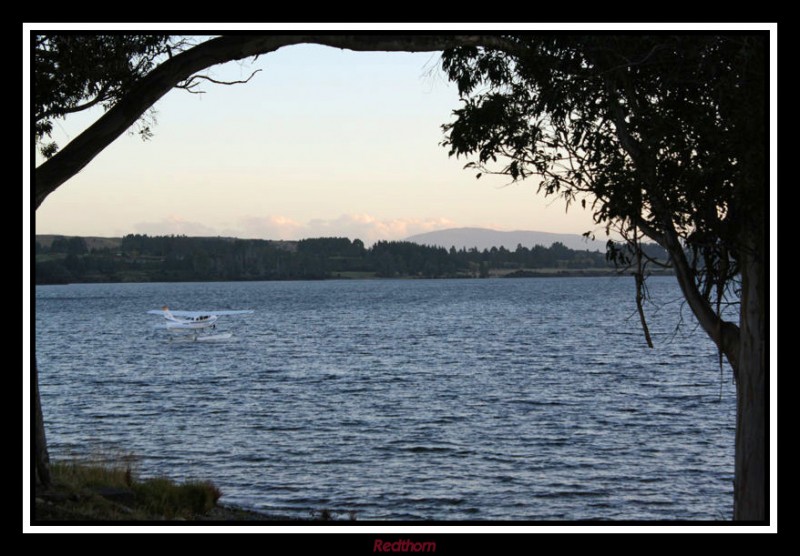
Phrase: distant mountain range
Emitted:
{"points": [[483, 238]]}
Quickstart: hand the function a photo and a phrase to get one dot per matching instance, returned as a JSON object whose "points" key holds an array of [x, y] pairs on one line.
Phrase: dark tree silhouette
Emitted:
{"points": [[665, 136], [77, 72]]}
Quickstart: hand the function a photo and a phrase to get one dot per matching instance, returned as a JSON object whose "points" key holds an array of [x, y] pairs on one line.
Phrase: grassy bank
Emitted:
{"points": [[94, 491], [108, 490]]}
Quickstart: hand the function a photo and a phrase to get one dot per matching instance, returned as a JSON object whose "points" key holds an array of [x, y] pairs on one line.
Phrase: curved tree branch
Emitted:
{"points": [[80, 151], [725, 334], [191, 82], [100, 97]]}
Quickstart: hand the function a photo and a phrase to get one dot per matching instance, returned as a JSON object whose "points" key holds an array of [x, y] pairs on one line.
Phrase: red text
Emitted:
{"points": [[403, 545]]}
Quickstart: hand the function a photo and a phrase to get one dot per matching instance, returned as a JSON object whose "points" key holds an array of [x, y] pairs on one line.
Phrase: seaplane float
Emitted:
{"points": [[194, 326]]}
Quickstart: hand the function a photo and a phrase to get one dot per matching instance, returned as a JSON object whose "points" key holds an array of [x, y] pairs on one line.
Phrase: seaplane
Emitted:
{"points": [[194, 326]]}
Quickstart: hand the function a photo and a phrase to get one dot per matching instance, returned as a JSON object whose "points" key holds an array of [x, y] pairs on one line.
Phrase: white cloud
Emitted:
{"points": [[174, 225], [365, 227], [370, 229], [268, 227]]}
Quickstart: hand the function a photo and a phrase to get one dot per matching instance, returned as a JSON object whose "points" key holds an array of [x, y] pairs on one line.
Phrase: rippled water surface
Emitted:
{"points": [[527, 399]]}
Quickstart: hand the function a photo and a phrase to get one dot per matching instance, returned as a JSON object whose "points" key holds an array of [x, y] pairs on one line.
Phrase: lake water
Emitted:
{"points": [[526, 399]]}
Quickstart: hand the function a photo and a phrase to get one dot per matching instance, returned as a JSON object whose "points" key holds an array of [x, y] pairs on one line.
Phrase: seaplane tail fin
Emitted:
{"points": [[168, 314]]}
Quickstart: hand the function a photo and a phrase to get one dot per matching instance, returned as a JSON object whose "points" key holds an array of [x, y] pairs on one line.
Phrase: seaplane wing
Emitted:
{"points": [[195, 314]]}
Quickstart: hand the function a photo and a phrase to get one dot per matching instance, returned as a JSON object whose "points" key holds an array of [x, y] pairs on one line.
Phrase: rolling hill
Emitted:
{"points": [[483, 238]]}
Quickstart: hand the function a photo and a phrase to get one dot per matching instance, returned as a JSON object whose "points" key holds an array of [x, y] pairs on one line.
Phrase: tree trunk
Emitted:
{"points": [[40, 455], [750, 490]]}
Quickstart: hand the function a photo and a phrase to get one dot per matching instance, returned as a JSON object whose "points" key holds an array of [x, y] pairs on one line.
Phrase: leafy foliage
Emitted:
{"points": [[76, 72], [663, 135]]}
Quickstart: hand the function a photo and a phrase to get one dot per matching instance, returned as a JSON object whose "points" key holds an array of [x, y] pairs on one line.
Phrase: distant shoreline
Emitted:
{"points": [[515, 274], [143, 259]]}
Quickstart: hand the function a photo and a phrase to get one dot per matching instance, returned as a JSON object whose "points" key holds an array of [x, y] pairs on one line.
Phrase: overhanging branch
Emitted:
{"points": [[192, 82], [81, 150], [100, 97]]}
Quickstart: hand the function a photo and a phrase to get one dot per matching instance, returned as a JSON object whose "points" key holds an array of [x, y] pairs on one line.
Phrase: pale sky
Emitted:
{"points": [[321, 142]]}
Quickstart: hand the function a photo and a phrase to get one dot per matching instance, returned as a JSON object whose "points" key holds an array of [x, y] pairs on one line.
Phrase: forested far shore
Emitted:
{"points": [[143, 258]]}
